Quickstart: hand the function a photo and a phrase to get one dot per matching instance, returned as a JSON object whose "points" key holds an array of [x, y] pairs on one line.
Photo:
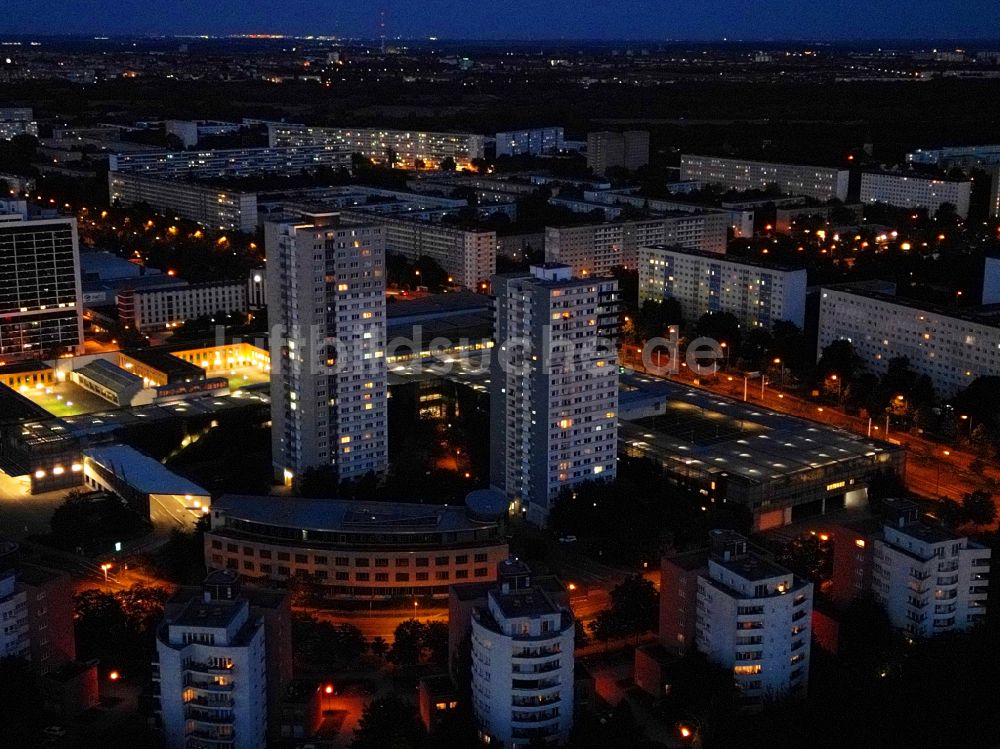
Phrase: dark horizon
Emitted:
{"points": [[762, 21]]}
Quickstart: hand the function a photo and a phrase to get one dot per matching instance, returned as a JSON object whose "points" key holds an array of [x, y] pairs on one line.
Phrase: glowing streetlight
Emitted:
{"points": [[104, 568]]}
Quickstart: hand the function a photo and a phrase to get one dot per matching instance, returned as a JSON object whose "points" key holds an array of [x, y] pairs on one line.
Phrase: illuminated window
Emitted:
{"points": [[565, 423], [342, 287], [747, 670], [860, 543], [344, 440]]}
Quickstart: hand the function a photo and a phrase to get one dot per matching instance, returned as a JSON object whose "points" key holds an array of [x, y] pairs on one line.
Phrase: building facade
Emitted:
{"points": [[930, 580], [326, 314], [553, 384], [627, 150], [758, 294], [595, 249], [407, 149], [230, 162], [213, 207], [211, 672], [916, 191], [951, 348], [469, 257], [754, 617], [16, 121], [149, 309], [41, 310], [357, 550], [542, 141], [821, 183], [522, 663]]}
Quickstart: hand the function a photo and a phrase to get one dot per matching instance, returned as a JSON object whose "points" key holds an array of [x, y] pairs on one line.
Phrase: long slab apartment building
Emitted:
{"points": [[179, 183], [595, 249], [758, 294], [951, 347], [162, 308], [821, 183], [913, 190], [377, 144], [468, 256]]}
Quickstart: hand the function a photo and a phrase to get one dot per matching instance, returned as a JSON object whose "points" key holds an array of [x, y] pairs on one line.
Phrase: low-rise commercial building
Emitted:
{"points": [[146, 485], [358, 550], [780, 467], [821, 183], [913, 190], [758, 294]]}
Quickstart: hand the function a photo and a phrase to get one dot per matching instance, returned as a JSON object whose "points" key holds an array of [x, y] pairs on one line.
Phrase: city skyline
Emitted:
{"points": [[732, 20]]}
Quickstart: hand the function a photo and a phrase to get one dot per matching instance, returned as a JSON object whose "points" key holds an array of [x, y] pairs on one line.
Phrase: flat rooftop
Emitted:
{"points": [[345, 515], [142, 472], [752, 566], [725, 258], [737, 440], [173, 367], [530, 602], [215, 614]]}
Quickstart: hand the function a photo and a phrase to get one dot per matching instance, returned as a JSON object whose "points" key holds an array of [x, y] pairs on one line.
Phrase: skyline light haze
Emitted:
{"points": [[758, 20]]}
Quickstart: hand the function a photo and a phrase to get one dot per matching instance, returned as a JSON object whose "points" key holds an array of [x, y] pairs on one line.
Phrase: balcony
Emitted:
{"points": [[536, 702], [220, 716], [220, 701], [537, 653], [208, 686], [531, 733], [534, 684], [538, 668], [198, 737], [540, 717], [210, 669]]}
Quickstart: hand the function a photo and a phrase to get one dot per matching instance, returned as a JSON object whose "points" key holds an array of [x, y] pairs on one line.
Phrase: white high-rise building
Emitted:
{"points": [[754, 617], [916, 191], [522, 663], [41, 310], [212, 674], [930, 580], [326, 314], [553, 384], [758, 294]]}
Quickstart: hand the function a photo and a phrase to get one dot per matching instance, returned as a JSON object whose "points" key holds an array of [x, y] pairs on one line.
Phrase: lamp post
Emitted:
{"points": [[781, 375], [104, 568]]}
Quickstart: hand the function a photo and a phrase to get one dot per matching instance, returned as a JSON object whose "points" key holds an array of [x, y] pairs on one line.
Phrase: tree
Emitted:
{"points": [[436, 642], [723, 327], [841, 359], [448, 164], [635, 605], [379, 646], [387, 723], [979, 507], [408, 643]]}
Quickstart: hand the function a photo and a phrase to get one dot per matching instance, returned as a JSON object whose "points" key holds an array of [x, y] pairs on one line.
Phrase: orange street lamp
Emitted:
{"points": [[104, 568]]}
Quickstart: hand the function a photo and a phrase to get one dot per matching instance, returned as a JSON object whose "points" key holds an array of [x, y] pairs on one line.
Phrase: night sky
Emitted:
{"points": [[517, 19]]}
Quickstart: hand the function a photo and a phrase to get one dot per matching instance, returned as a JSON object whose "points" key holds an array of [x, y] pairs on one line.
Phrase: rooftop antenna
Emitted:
{"points": [[381, 28]]}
